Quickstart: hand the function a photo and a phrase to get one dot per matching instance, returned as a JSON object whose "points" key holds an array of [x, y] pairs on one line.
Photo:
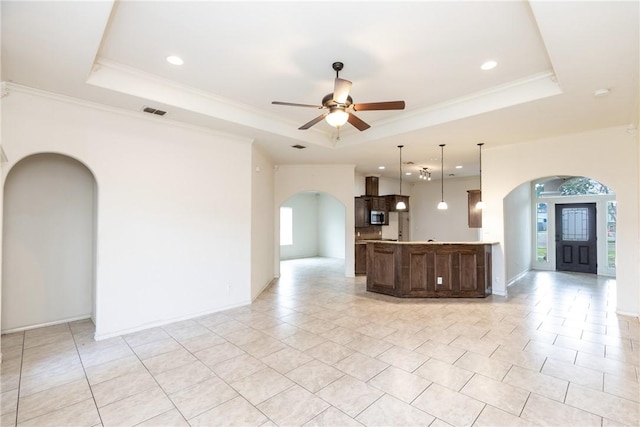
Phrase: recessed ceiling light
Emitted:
{"points": [[459, 167], [175, 60], [381, 167], [407, 173], [488, 65]]}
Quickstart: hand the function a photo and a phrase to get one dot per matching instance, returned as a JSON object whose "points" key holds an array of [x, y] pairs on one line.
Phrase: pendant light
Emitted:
{"points": [[480, 204], [400, 206], [442, 205]]}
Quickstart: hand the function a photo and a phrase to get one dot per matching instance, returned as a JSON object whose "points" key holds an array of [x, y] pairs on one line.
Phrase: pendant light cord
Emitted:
{"points": [[480, 145], [400, 147], [442, 172]]}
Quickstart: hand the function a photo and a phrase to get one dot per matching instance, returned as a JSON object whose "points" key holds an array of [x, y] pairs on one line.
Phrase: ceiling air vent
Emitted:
{"points": [[154, 111], [298, 146]]}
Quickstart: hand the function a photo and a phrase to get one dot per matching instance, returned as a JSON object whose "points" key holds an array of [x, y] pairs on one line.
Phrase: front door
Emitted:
{"points": [[576, 238]]}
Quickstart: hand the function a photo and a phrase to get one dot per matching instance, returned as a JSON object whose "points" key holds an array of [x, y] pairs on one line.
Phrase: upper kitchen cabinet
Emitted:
{"points": [[371, 184], [475, 215], [393, 199], [362, 211], [379, 204], [363, 207]]}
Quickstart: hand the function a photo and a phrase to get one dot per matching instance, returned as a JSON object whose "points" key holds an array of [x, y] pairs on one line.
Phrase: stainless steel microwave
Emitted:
{"points": [[377, 218]]}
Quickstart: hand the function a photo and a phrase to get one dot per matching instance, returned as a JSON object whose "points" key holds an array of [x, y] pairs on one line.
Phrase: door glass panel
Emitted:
{"points": [[612, 214], [541, 234], [575, 224]]}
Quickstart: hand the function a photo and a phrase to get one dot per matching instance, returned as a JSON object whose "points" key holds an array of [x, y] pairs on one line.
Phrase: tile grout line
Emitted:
{"points": [[24, 337], [154, 379], [75, 344]]}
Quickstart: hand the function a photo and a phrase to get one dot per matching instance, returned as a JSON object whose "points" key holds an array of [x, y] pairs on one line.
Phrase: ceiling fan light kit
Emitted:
{"points": [[337, 117], [340, 105]]}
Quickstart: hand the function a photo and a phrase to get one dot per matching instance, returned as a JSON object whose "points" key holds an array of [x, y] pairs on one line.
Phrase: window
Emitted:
{"points": [[575, 224], [286, 226], [541, 235], [612, 211]]}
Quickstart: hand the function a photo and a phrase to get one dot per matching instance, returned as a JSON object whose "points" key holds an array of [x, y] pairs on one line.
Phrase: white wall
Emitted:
{"points": [[451, 225], [518, 232], [385, 186], [168, 245], [606, 155], [305, 227], [262, 216], [331, 223], [335, 180], [318, 227], [48, 242]]}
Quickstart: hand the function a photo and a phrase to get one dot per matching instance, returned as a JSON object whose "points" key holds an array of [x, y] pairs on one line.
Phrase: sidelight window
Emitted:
{"points": [[541, 234], [612, 213]]}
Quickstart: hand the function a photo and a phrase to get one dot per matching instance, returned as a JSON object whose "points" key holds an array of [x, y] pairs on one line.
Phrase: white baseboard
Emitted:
{"points": [[626, 313], [265, 287], [44, 325], [518, 277], [499, 293], [104, 336]]}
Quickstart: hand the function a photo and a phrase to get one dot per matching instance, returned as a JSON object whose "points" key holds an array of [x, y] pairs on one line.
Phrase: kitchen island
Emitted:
{"points": [[429, 269]]}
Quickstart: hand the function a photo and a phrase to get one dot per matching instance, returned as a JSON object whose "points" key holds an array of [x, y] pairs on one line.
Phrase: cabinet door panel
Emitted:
{"points": [[419, 271], [468, 272], [444, 266]]}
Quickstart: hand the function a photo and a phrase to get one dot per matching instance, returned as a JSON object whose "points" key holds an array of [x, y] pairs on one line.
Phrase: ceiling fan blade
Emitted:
{"points": [[313, 122], [341, 90], [291, 104], [358, 123], [389, 105]]}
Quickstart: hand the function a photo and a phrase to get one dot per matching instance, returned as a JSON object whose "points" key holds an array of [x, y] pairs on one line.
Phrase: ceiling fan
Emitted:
{"points": [[340, 106]]}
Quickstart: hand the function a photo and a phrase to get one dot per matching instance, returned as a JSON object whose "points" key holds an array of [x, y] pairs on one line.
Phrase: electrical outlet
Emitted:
{"points": [[439, 280]]}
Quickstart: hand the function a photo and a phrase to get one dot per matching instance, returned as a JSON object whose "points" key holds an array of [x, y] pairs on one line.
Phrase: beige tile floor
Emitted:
{"points": [[315, 349]]}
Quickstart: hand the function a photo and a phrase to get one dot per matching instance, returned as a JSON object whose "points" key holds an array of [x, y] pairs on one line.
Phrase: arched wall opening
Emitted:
{"points": [[530, 228], [312, 224], [337, 181], [49, 242], [609, 156]]}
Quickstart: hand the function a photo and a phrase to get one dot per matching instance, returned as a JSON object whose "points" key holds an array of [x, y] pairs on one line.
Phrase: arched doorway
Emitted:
{"points": [[312, 225], [535, 240], [49, 228], [574, 221]]}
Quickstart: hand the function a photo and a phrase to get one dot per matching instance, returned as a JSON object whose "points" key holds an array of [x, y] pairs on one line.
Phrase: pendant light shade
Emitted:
{"points": [[480, 204], [442, 205], [400, 206]]}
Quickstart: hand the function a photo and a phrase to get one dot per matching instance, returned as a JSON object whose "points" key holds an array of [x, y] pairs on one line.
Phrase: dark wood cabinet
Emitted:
{"points": [[379, 204], [363, 207], [362, 212], [371, 185], [393, 199], [429, 270], [361, 258], [475, 215]]}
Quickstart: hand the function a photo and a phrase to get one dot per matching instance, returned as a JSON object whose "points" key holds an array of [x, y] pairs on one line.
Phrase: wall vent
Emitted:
{"points": [[154, 111], [298, 146]]}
